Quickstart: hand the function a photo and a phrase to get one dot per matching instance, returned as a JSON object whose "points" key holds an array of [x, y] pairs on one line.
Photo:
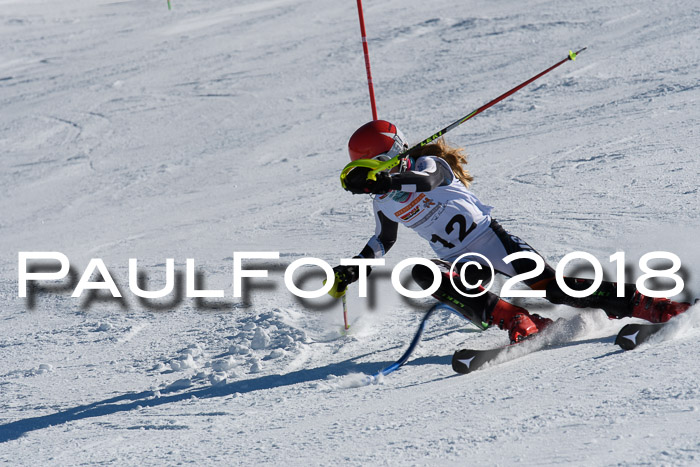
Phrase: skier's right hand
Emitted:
{"points": [[357, 182], [344, 276]]}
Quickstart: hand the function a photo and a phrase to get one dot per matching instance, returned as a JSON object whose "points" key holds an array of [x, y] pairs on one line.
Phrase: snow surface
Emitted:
{"points": [[131, 131]]}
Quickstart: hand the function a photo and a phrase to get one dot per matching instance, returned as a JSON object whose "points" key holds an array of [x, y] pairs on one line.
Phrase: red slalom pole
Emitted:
{"points": [[366, 50]]}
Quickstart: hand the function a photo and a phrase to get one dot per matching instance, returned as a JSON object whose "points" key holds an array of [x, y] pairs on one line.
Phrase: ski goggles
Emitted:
{"points": [[396, 149]]}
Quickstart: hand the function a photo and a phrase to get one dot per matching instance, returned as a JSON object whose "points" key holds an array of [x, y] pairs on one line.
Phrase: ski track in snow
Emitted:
{"points": [[131, 131]]}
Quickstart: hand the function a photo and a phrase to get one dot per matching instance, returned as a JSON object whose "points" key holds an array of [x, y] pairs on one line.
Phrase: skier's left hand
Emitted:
{"points": [[358, 183]]}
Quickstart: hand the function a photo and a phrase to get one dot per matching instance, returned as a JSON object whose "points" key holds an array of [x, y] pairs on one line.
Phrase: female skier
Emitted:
{"points": [[430, 195]]}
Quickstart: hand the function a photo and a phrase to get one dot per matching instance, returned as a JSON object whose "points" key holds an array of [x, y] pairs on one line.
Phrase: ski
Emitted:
{"points": [[467, 360], [633, 334], [563, 330]]}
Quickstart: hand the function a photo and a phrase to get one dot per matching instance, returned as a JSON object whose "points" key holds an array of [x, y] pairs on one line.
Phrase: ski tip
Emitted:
{"points": [[627, 337], [627, 341], [633, 334], [461, 361]]}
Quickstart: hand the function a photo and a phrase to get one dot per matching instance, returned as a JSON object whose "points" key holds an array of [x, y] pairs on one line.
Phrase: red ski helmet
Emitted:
{"points": [[376, 138]]}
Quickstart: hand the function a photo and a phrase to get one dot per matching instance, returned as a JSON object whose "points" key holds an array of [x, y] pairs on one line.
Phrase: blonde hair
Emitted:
{"points": [[455, 157]]}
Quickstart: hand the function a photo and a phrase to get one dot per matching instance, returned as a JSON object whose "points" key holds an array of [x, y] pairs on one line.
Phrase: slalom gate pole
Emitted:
{"points": [[366, 51], [377, 166]]}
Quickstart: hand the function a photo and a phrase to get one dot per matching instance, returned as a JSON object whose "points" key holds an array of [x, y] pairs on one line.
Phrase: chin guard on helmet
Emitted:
{"points": [[375, 167]]}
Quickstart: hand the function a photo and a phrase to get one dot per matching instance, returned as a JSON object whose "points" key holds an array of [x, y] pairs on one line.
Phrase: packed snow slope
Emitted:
{"points": [[128, 130]]}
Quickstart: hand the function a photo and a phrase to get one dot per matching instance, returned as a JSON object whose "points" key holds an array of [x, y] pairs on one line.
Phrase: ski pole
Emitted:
{"points": [[345, 312], [412, 346], [378, 166], [365, 48]]}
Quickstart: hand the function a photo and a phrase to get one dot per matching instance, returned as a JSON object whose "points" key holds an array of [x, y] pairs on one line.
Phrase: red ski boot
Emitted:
{"points": [[517, 321], [656, 310]]}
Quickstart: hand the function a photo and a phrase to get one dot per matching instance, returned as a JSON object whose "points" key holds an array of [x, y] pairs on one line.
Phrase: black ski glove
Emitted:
{"points": [[358, 183], [381, 185]]}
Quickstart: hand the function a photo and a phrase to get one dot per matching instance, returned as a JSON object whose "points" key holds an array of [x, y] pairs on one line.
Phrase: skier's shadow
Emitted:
{"points": [[137, 401]]}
